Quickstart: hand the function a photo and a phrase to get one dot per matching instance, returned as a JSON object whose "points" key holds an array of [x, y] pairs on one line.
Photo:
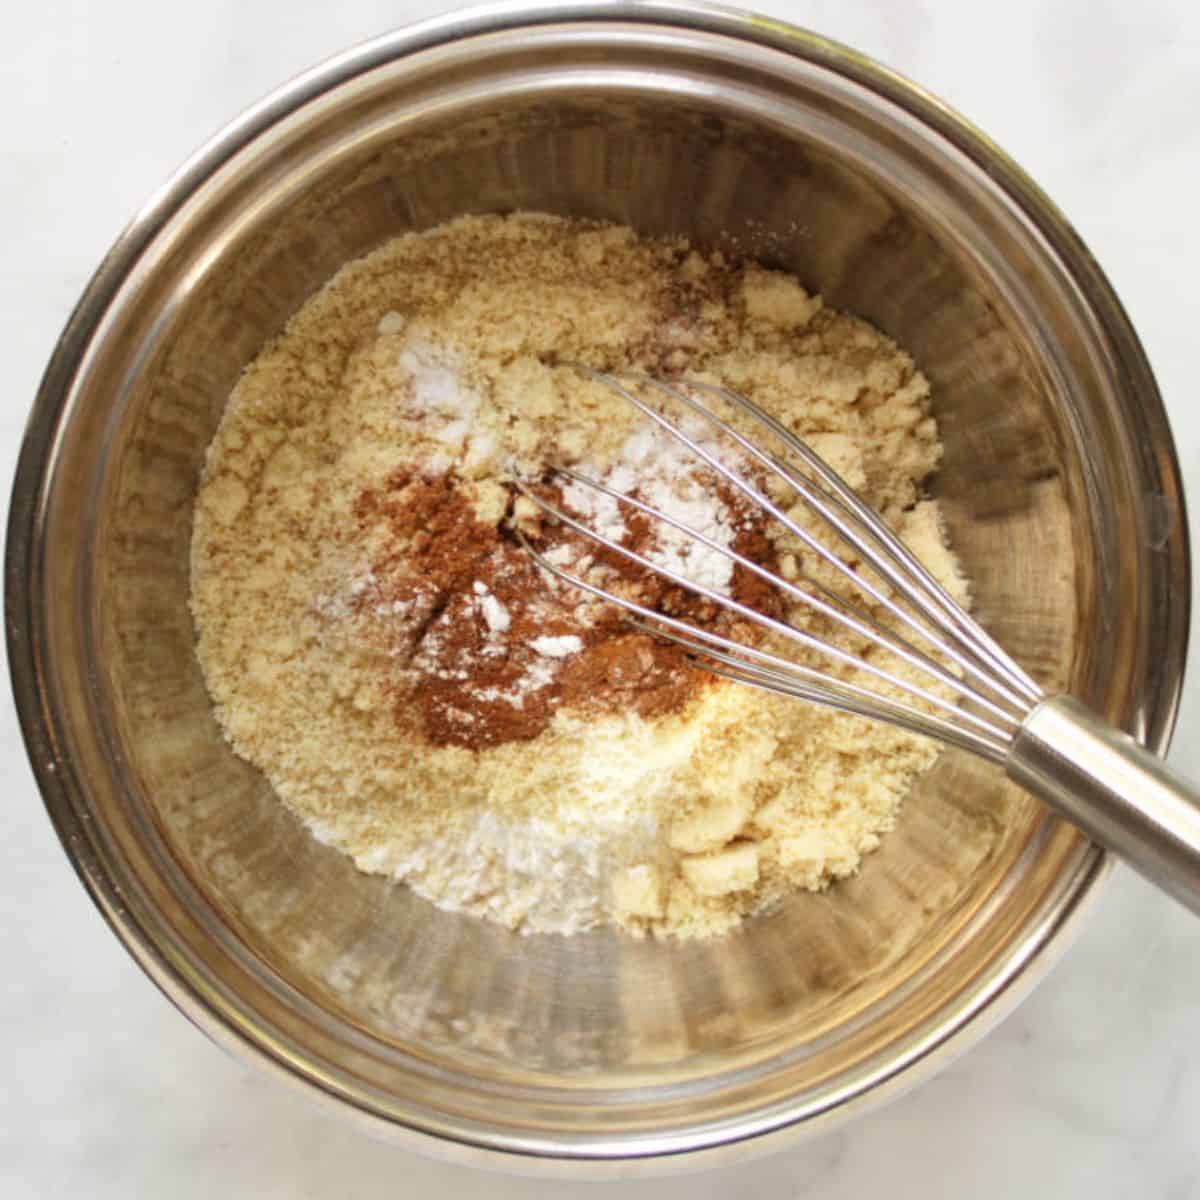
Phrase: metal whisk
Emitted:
{"points": [[959, 686]]}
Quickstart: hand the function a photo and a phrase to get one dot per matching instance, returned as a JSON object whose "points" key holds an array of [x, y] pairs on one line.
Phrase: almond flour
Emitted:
{"points": [[427, 700]]}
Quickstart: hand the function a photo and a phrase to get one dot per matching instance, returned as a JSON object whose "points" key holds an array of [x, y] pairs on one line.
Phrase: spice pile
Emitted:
{"points": [[376, 640]]}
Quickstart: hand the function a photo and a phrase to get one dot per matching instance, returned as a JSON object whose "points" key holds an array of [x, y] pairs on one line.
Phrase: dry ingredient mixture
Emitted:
{"points": [[376, 640]]}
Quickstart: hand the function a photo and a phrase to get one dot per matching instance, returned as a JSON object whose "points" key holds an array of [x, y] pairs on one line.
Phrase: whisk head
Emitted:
{"points": [[925, 665]]}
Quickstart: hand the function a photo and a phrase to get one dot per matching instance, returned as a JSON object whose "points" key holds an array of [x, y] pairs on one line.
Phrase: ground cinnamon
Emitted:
{"points": [[472, 684]]}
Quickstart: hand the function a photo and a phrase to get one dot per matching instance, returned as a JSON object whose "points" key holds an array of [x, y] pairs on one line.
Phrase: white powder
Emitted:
{"points": [[527, 871], [495, 614], [446, 408], [554, 876], [557, 647], [601, 513], [537, 675], [661, 471]]}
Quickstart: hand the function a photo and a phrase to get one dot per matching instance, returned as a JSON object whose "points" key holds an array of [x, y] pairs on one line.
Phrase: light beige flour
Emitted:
{"points": [[412, 383]]}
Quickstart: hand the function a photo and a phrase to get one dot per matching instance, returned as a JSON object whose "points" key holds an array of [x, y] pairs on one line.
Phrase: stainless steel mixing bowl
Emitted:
{"points": [[1060, 482]]}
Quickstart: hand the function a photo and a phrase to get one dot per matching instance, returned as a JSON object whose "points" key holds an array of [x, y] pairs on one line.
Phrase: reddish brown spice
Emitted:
{"points": [[469, 686]]}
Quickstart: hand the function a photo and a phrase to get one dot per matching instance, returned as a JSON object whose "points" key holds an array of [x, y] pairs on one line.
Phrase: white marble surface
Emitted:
{"points": [[1091, 1090]]}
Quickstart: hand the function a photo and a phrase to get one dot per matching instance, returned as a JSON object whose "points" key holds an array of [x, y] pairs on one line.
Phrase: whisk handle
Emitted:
{"points": [[1115, 790]]}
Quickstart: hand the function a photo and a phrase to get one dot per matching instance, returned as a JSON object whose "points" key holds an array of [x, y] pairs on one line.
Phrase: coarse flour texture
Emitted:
{"points": [[430, 703]]}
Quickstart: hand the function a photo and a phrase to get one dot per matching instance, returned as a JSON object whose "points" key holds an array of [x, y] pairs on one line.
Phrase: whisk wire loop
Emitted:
{"points": [[725, 657], [845, 511], [975, 697], [963, 657], [912, 578], [865, 628]]}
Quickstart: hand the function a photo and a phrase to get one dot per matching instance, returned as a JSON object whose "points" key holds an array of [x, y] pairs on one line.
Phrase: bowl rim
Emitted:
{"points": [[1000, 990]]}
